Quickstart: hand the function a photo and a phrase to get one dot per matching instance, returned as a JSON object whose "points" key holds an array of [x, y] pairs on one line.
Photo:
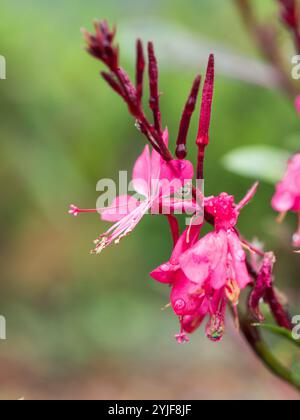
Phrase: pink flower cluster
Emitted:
{"points": [[206, 273]]}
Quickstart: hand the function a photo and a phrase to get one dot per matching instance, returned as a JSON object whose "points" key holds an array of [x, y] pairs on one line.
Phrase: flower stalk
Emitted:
{"points": [[262, 351], [101, 46], [181, 150], [205, 115]]}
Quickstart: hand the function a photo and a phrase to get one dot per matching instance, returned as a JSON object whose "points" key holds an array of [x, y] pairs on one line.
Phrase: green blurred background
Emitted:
{"points": [[80, 326]]}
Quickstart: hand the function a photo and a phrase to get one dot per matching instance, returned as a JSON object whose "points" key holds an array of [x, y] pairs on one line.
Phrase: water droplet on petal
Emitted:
{"points": [[165, 268], [179, 305], [241, 255], [215, 328], [138, 125]]}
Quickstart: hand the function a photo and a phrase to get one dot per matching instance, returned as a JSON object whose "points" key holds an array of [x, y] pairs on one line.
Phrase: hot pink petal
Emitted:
{"points": [[287, 196], [156, 159], [219, 262], [185, 296], [238, 261], [180, 170], [296, 206], [185, 242], [120, 207], [190, 323], [195, 263], [207, 256], [141, 176], [165, 273], [283, 200], [217, 297]]}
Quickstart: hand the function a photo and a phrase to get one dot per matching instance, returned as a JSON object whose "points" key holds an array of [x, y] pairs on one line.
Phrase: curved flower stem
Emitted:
{"points": [[263, 352], [279, 331]]}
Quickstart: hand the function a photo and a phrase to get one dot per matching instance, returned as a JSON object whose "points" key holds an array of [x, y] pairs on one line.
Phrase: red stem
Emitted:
{"points": [[205, 115], [111, 81], [101, 47], [140, 69], [189, 109], [153, 83], [280, 315], [174, 227]]}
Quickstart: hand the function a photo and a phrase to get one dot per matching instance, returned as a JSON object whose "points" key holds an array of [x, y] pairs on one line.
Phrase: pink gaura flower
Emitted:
{"points": [[155, 182], [182, 296], [208, 273], [287, 195]]}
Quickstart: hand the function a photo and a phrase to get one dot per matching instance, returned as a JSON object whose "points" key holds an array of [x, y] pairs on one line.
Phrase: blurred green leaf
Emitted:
{"points": [[264, 163]]}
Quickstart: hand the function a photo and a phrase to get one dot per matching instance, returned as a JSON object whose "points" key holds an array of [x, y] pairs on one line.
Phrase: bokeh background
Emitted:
{"points": [[80, 326]]}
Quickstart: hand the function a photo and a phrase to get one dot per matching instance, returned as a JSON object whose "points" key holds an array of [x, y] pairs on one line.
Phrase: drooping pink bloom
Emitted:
{"points": [[287, 195], [263, 283], [265, 291], [207, 274], [155, 181], [182, 298]]}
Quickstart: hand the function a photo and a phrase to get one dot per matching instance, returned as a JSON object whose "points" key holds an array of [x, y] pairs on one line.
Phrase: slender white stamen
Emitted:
{"points": [[122, 228]]}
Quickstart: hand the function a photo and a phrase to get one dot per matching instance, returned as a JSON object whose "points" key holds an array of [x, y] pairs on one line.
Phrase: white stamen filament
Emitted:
{"points": [[122, 228]]}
